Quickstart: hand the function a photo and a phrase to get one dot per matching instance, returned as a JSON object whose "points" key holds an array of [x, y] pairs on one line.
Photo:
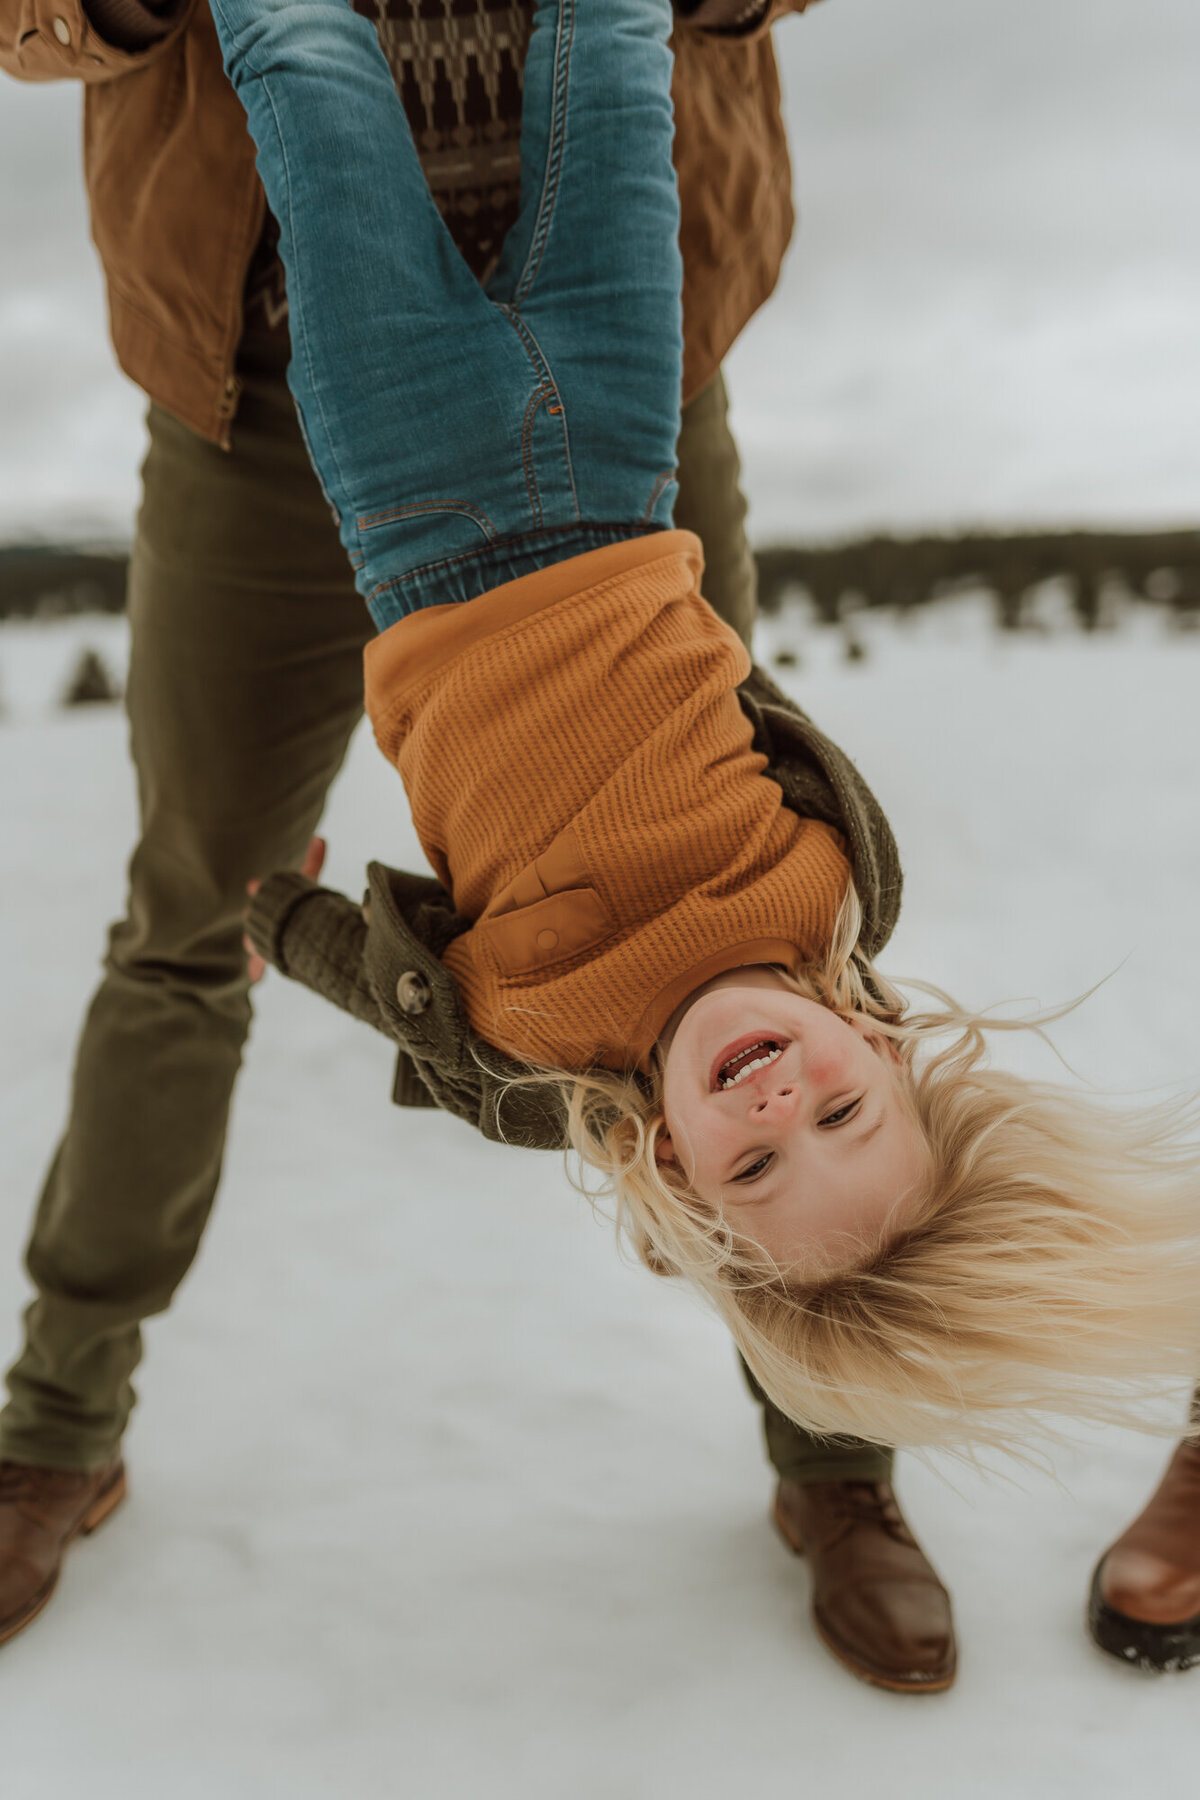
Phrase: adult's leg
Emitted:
{"points": [[796, 1455], [710, 502], [245, 684], [876, 1598]]}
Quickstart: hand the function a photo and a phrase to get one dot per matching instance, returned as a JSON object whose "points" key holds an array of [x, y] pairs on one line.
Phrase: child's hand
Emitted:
{"points": [[314, 862]]}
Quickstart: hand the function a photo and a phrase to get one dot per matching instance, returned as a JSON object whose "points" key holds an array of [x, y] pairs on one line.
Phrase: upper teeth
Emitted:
{"points": [[770, 1055]]}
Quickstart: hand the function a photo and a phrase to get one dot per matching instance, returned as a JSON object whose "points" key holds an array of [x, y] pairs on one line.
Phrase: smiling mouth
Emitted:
{"points": [[747, 1061]]}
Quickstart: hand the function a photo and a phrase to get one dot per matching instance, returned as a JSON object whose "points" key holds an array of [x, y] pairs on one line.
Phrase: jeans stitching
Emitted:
{"points": [[535, 503], [369, 521], [330, 444], [664, 479], [549, 391], [555, 151]]}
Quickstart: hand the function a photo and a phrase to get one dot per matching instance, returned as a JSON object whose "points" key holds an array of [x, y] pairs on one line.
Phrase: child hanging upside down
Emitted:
{"points": [[660, 890]]}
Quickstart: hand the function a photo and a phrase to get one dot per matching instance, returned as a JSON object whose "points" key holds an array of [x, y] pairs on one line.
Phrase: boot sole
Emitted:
{"points": [[892, 1684], [105, 1503], [1159, 1649]]}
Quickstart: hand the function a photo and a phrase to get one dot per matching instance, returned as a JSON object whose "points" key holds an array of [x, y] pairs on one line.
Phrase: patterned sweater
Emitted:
{"points": [[458, 67]]}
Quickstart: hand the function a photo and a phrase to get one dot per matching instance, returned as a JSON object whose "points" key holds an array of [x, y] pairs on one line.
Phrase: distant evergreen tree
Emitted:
{"points": [[91, 682]]}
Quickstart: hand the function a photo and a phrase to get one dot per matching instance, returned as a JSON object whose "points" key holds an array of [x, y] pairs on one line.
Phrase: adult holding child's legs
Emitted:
{"points": [[247, 636], [598, 470], [665, 953]]}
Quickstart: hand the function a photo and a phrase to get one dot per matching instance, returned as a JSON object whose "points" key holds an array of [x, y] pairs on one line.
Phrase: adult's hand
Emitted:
{"points": [[314, 862]]}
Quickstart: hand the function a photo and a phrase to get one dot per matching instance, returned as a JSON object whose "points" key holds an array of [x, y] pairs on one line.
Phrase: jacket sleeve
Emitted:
{"points": [[819, 781], [743, 19], [317, 937], [381, 962], [86, 40]]}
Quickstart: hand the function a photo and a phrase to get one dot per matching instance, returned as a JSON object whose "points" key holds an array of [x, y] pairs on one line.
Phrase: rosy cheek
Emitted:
{"points": [[824, 1069]]}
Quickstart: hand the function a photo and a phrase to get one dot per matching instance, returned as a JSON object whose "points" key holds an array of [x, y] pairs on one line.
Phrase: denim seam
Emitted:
{"points": [[369, 521], [256, 74], [531, 347], [545, 374], [395, 582], [555, 150], [663, 481], [535, 502], [330, 444]]}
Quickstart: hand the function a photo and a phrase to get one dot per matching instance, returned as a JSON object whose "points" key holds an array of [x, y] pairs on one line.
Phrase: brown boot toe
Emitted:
{"points": [[1144, 1605], [877, 1602], [897, 1633], [1147, 1587], [41, 1512]]}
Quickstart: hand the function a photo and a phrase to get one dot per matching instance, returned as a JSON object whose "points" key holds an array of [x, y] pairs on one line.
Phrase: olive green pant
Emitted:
{"points": [[245, 685]]}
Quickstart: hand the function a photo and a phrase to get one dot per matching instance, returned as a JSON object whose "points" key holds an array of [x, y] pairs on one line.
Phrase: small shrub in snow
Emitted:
{"points": [[91, 682]]}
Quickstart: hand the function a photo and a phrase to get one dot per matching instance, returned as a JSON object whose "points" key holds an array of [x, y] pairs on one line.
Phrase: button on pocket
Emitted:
{"points": [[550, 931], [548, 912]]}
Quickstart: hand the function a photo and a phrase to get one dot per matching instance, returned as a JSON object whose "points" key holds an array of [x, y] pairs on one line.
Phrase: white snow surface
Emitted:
{"points": [[434, 1497]]}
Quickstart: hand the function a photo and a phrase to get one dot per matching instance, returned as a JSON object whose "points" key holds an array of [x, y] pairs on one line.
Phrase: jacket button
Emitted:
{"points": [[61, 29], [547, 940], [412, 993]]}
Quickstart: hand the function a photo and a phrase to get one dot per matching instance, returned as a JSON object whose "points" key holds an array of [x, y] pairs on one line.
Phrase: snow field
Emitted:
{"points": [[432, 1497]]}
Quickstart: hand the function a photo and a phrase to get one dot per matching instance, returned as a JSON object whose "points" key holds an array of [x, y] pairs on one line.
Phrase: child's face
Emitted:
{"points": [[788, 1119]]}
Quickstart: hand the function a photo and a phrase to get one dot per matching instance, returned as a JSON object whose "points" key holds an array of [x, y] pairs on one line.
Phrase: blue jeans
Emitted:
{"points": [[463, 436]]}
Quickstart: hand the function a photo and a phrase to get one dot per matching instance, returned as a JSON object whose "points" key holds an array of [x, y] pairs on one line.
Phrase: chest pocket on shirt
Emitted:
{"points": [[548, 913]]}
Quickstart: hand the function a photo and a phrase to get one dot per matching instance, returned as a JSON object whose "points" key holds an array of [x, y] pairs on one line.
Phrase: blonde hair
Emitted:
{"points": [[1051, 1268]]}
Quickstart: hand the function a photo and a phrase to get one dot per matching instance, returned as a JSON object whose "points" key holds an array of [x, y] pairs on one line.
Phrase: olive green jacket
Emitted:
{"points": [[381, 960]]}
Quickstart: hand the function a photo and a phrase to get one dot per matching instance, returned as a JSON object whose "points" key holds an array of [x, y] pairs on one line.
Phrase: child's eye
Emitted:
{"points": [[754, 1169], [842, 1114]]}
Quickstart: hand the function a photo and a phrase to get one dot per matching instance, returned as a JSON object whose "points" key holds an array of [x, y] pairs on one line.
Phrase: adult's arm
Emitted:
{"points": [[85, 40], [736, 18]]}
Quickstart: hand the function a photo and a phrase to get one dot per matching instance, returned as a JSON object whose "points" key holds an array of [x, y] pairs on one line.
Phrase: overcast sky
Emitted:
{"points": [[990, 313]]}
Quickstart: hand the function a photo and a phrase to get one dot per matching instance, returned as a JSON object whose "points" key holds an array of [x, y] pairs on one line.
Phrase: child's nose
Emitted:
{"points": [[776, 1101]]}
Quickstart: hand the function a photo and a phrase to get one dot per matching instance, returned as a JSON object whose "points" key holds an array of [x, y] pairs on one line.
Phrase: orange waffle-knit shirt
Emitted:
{"points": [[581, 778]]}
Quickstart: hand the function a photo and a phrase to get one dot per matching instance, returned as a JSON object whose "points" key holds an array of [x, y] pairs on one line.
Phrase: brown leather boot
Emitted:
{"points": [[1145, 1600], [41, 1511], [877, 1603]]}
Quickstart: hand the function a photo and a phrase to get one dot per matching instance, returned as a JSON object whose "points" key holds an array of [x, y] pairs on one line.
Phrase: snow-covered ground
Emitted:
{"points": [[432, 1496]]}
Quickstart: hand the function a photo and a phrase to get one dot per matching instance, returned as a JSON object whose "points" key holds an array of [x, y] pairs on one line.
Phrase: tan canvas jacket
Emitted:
{"points": [[177, 208]]}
